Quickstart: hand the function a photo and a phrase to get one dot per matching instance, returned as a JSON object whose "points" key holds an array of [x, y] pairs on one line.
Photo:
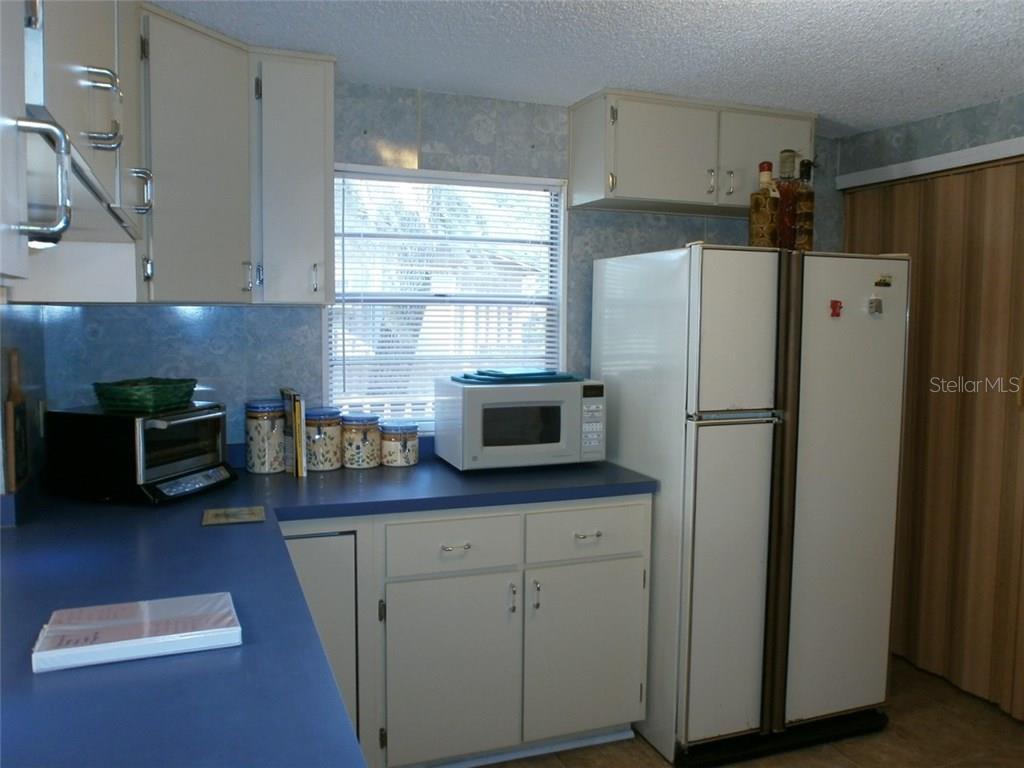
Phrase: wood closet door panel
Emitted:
{"points": [[903, 233], [863, 216], [986, 355], [940, 321], [1008, 642]]}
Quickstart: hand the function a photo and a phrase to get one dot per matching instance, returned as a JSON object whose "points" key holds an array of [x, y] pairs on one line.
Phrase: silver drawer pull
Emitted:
{"points": [[594, 535], [147, 189], [451, 548], [62, 148], [536, 599], [515, 592]]}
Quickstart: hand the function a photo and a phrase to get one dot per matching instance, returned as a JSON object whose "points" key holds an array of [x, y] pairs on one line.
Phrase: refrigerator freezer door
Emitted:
{"points": [[850, 417], [728, 511], [733, 318]]}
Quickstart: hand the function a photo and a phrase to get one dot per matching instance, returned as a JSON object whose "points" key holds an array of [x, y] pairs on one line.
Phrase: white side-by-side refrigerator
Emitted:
{"points": [[764, 390]]}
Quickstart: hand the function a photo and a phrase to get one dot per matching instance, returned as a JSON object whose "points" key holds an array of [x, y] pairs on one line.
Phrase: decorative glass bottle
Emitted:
{"points": [[804, 240], [787, 184], [764, 209]]}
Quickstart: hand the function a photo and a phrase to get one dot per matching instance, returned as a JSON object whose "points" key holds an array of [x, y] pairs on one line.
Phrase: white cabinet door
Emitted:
{"points": [[130, 188], [733, 302], [746, 139], [77, 36], [454, 666], [729, 542], [851, 401], [326, 566], [296, 150], [663, 151], [14, 260], [585, 654], [198, 92]]}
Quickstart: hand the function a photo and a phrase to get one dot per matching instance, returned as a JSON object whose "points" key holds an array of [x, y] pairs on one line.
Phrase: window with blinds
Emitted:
{"points": [[434, 278]]}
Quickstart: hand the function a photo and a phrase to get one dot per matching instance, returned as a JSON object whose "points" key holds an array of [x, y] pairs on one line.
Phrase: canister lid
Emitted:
{"points": [[326, 413], [399, 427], [264, 406], [360, 418]]}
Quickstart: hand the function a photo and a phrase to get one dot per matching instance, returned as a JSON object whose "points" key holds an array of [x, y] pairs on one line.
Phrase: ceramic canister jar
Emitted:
{"points": [[361, 438], [399, 443], [264, 436], [323, 439]]}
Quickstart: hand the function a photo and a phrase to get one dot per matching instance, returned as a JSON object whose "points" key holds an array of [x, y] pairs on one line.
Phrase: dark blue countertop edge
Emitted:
{"points": [[432, 503]]}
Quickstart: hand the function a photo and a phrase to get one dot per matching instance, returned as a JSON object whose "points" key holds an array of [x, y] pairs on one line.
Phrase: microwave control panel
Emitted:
{"points": [[592, 442]]}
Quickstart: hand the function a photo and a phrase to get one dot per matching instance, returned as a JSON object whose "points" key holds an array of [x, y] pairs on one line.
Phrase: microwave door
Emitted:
{"points": [[523, 433]]}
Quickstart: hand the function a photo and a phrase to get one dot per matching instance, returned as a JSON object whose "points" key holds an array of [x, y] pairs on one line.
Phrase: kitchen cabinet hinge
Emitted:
{"points": [[144, 48], [382, 611], [382, 737], [259, 274], [613, 114], [258, 88]]}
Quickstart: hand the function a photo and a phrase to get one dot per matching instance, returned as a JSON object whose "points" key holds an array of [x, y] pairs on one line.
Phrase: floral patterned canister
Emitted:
{"points": [[323, 439], [264, 436], [399, 443], [361, 440]]}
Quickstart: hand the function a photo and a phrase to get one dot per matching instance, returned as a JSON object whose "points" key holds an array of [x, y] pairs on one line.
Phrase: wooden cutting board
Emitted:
{"points": [[16, 456]]}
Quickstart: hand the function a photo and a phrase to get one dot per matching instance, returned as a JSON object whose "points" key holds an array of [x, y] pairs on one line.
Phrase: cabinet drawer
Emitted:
{"points": [[453, 545], [587, 532]]}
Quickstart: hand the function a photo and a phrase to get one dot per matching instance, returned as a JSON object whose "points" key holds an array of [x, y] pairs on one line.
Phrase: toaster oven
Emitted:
{"points": [[156, 457]]}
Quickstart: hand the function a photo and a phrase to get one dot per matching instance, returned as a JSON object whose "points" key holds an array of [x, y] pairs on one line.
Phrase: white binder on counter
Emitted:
{"points": [[99, 634]]}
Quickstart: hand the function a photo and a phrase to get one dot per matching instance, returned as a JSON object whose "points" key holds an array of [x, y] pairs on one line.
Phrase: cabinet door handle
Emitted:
{"points": [[711, 181], [108, 141], [732, 183], [247, 265], [613, 181], [147, 189], [515, 593], [62, 149], [107, 80], [536, 595], [316, 277], [594, 535], [453, 547], [148, 269]]}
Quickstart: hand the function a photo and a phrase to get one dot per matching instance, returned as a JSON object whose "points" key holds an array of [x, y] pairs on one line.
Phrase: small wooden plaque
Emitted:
{"points": [[234, 515]]}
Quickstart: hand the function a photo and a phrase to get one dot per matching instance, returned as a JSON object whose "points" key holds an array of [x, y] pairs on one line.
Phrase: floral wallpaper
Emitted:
{"points": [[971, 127]]}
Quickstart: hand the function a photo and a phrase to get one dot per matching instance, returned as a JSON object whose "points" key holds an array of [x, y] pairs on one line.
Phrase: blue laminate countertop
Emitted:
{"points": [[271, 701], [434, 484]]}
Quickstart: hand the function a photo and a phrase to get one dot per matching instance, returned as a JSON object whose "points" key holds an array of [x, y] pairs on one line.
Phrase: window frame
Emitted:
{"points": [[464, 179]]}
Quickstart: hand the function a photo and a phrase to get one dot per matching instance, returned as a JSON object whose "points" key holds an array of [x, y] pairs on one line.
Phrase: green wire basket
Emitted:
{"points": [[144, 395]]}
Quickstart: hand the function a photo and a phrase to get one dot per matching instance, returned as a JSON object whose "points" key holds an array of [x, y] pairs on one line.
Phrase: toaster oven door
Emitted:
{"points": [[172, 444]]}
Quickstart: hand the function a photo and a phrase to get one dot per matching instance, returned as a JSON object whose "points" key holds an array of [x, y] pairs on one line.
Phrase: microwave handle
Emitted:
{"points": [[165, 423]]}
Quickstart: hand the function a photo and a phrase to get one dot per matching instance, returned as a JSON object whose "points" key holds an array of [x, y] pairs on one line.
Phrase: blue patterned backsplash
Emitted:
{"points": [[237, 353]]}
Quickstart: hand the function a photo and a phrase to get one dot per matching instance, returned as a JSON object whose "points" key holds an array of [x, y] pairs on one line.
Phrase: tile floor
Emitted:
{"points": [[931, 724]]}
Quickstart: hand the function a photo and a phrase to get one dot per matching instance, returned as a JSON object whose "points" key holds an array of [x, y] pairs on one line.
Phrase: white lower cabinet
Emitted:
{"points": [[585, 647], [454, 666], [484, 631], [326, 567]]}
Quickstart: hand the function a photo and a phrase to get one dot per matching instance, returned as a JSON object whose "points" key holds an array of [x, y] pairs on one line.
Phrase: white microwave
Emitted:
{"points": [[484, 426]]}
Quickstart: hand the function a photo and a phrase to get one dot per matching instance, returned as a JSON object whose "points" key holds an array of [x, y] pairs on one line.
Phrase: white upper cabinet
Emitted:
{"points": [[294, 150], [197, 100], [79, 85], [746, 139], [646, 161], [634, 150]]}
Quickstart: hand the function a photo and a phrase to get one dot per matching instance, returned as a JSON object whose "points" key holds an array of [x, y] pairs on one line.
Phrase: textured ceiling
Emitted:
{"points": [[860, 64]]}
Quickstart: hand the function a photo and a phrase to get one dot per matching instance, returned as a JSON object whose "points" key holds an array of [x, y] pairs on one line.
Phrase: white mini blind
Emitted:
{"points": [[434, 278]]}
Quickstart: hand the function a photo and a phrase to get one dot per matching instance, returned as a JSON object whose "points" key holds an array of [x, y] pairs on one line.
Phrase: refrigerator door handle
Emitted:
{"points": [[698, 421]]}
